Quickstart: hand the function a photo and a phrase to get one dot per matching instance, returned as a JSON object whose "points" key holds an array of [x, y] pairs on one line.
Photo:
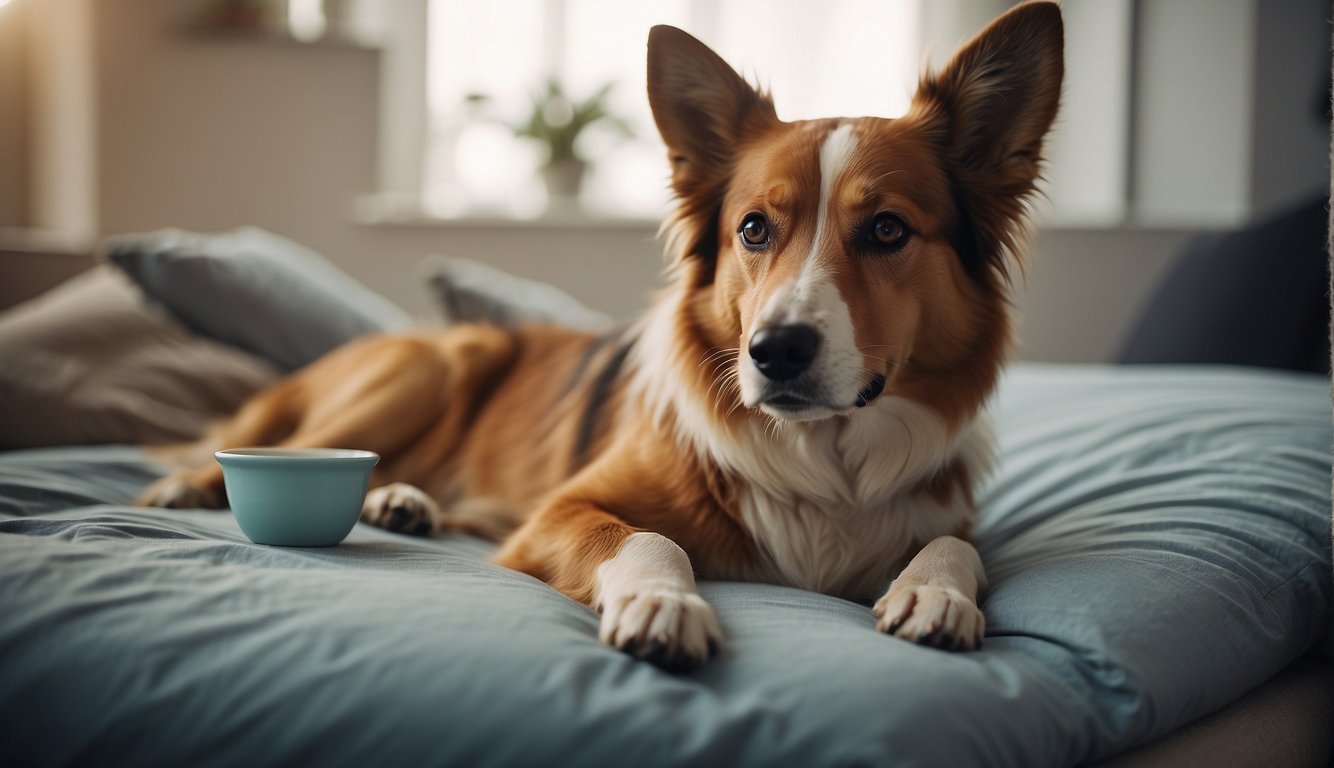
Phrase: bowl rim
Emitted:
{"points": [[271, 454]]}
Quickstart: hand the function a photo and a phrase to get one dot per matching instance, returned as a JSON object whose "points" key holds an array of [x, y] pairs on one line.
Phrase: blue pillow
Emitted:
{"points": [[254, 290]]}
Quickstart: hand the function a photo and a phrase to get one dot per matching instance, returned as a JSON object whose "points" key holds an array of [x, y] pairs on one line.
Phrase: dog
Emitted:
{"points": [[802, 405]]}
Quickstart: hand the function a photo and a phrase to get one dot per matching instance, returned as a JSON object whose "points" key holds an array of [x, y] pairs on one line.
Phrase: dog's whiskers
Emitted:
{"points": [[723, 381], [718, 353], [735, 406]]}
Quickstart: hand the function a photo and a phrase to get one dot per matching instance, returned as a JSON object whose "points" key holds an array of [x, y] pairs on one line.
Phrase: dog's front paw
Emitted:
{"points": [[403, 508], [175, 492], [932, 615], [669, 627]]}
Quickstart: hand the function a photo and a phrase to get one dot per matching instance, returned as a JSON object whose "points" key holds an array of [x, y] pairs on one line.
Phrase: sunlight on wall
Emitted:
{"points": [[856, 57], [305, 19]]}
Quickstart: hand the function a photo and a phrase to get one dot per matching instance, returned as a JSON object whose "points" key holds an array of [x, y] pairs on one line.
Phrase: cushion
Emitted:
{"points": [[1157, 540], [470, 292], [255, 290], [1256, 296], [89, 362]]}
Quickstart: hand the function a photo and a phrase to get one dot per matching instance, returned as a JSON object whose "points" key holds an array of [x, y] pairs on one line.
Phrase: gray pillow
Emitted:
{"points": [[255, 290], [470, 292]]}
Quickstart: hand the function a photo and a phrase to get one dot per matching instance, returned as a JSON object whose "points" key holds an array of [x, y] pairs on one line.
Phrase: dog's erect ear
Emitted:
{"points": [[701, 105], [703, 110], [991, 107], [1000, 91]]}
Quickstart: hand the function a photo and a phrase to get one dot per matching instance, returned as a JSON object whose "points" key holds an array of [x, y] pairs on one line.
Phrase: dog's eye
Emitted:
{"points": [[755, 231], [888, 231]]}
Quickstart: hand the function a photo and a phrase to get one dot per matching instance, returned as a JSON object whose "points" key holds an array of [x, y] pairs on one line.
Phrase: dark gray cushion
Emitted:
{"points": [[1256, 296], [255, 290]]}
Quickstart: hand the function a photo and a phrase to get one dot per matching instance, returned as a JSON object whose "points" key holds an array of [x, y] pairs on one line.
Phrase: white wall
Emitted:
{"points": [[945, 24], [1193, 122], [1088, 151], [1188, 112]]}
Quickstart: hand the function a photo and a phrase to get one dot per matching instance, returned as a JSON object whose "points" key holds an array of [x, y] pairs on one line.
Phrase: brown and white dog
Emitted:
{"points": [[803, 405]]}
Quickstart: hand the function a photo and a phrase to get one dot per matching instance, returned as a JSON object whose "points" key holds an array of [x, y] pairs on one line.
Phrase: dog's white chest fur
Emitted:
{"points": [[855, 551], [830, 505]]}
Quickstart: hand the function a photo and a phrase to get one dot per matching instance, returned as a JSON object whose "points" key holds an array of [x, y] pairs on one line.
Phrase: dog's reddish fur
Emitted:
{"points": [[550, 424]]}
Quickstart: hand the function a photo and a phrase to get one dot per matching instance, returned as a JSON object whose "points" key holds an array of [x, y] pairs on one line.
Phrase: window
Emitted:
{"points": [[855, 57]]}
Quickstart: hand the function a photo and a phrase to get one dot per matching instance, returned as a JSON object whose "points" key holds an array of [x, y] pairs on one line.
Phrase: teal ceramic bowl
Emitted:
{"points": [[291, 497]]}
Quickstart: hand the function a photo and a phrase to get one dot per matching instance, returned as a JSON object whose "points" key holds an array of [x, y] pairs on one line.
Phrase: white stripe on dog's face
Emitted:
{"points": [[812, 298]]}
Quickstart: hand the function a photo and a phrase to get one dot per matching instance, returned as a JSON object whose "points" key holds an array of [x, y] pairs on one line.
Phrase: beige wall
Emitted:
{"points": [[1084, 287], [13, 116], [63, 118], [213, 132]]}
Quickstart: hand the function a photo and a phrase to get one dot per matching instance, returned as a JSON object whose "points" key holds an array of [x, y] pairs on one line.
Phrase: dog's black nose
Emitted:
{"points": [[784, 351]]}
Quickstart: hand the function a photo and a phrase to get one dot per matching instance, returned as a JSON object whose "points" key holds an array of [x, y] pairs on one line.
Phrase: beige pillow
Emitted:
{"points": [[91, 362]]}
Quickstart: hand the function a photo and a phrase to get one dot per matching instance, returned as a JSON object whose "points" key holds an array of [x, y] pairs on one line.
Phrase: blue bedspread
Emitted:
{"points": [[1158, 542]]}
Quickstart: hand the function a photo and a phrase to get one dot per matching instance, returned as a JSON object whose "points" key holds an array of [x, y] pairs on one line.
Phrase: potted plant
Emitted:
{"points": [[556, 121]]}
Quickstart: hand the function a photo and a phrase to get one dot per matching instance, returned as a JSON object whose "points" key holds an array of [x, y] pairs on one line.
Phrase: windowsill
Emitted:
{"points": [[1133, 224], [277, 37], [376, 211]]}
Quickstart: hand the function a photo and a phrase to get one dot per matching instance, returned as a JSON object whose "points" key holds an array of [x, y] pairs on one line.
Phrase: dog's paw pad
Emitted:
{"points": [[673, 629], [942, 617], [403, 508], [176, 493]]}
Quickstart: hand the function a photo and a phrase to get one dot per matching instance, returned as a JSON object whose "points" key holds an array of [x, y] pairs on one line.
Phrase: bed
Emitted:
{"points": [[1157, 537]]}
